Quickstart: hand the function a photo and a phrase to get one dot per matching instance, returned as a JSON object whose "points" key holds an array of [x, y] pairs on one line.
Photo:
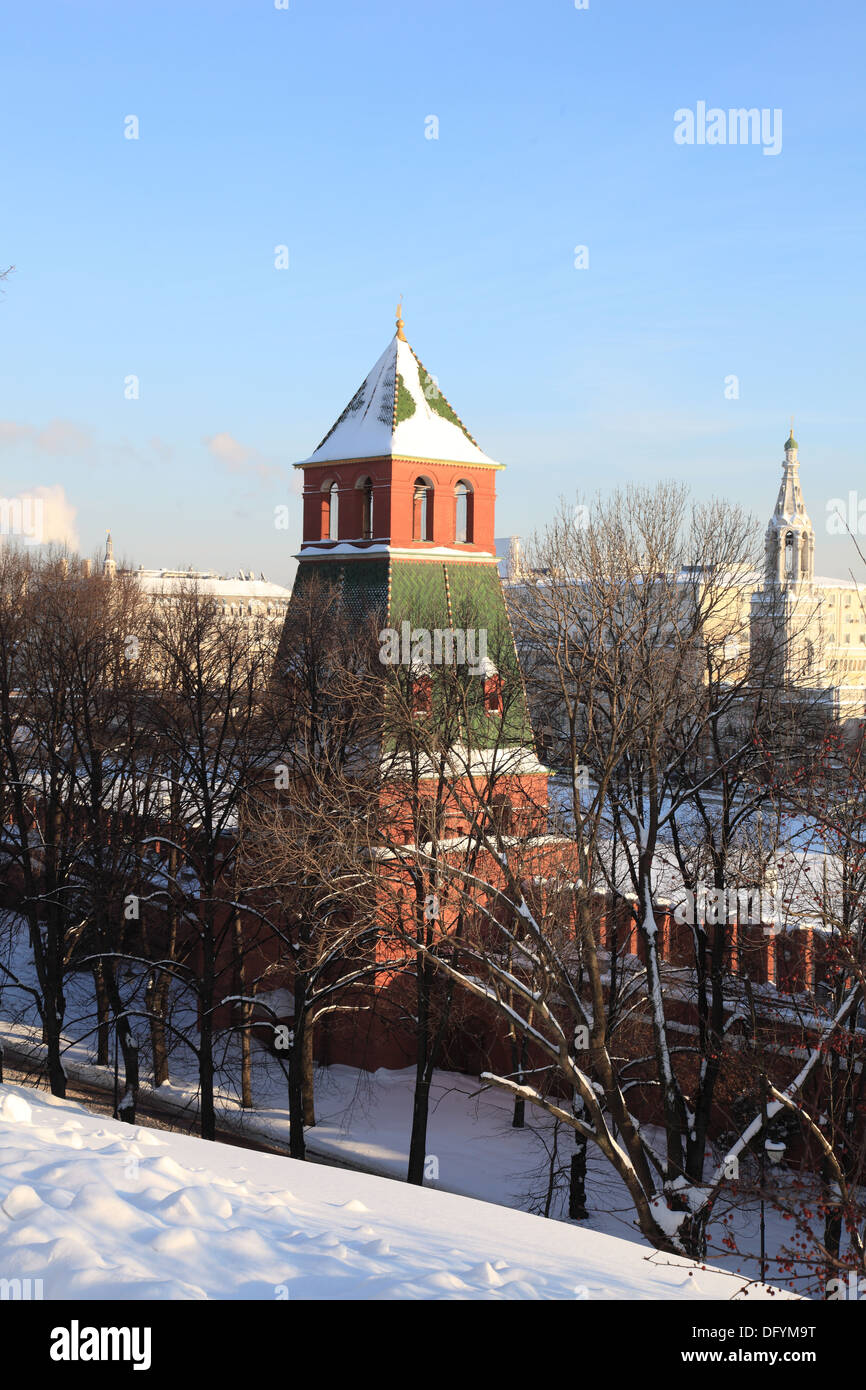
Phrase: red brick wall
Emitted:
{"points": [[393, 492]]}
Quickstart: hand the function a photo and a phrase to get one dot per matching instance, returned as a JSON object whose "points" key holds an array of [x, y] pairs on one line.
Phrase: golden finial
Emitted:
{"points": [[790, 442], [400, 334]]}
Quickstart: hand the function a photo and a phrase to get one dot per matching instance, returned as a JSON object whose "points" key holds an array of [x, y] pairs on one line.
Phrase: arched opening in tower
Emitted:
{"points": [[463, 513], [333, 512], [366, 486], [422, 510]]}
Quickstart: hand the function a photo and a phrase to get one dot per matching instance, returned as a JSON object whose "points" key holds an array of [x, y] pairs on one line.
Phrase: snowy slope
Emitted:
{"points": [[108, 1211]]}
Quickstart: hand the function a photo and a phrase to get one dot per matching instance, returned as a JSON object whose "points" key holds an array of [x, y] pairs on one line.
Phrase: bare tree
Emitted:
{"points": [[299, 824], [207, 713]]}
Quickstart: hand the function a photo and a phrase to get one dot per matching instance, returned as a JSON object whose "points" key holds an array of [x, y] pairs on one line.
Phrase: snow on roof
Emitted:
{"points": [[399, 411], [206, 582], [823, 581], [461, 761], [795, 879], [363, 550]]}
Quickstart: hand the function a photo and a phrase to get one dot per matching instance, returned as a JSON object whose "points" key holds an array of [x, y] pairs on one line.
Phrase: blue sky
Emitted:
{"points": [[305, 127]]}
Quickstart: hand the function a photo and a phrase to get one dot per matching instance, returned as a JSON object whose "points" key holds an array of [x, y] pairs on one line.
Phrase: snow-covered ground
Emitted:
{"points": [[98, 1210], [364, 1120]]}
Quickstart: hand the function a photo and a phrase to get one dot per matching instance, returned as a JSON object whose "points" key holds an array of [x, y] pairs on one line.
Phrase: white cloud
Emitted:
{"points": [[57, 437], [12, 433], [239, 458], [39, 516], [229, 451], [58, 516]]}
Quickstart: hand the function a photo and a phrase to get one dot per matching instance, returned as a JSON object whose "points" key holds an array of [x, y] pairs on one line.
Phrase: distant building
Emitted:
{"points": [[240, 595], [816, 624], [508, 557]]}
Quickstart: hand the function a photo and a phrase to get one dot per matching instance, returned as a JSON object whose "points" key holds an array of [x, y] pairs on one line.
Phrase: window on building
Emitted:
{"points": [[463, 529], [493, 695], [367, 509], [502, 814], [330, 520], [422, 510], [422, 694]]}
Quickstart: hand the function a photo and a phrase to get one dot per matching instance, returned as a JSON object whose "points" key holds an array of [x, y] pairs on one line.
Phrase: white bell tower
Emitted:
{"points": [[109, 564], [789, 545]]}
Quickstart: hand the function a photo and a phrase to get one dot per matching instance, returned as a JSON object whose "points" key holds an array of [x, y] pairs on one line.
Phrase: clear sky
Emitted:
{"points": [[306, 127]]}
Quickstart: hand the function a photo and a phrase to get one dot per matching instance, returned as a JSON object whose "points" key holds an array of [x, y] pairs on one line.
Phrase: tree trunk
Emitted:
{"points": [[155, 999], [245, 1014], [577, 1178], [246, 1061], [205, 1057], [128, 1046], [158, 988], [308, 1079], [53, 1008], [832, 1219], [420, 1115], [103, 1016], [297, 1142], [423, 1074], [56, 1074], [518, 1053]]}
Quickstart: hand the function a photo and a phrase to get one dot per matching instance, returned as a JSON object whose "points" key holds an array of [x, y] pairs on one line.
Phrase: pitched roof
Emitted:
{"points": [[790, 507], [399, 411]]}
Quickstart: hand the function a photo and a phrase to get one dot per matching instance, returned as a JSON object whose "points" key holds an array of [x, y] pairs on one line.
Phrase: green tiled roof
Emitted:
{"points": [[363, 584], [436, 594], [467, 596], [418, 594]]}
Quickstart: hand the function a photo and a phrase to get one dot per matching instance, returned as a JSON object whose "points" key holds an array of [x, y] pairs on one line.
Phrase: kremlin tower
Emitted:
{"points": [[399, 504]]}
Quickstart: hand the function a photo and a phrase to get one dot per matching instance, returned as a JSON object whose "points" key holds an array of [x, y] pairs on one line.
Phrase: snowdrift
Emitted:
{"points": [[100, 1210]]}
